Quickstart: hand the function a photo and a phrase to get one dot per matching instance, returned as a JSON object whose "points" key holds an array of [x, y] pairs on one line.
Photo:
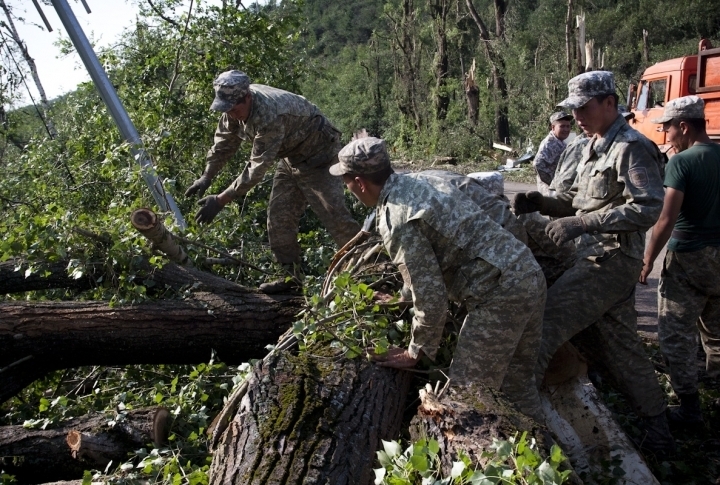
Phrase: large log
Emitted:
{"points": [[232, 320], [311, 420], [90, 442]]}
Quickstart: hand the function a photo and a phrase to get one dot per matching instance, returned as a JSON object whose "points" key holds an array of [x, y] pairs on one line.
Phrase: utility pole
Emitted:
{"points": [[117, 110]]}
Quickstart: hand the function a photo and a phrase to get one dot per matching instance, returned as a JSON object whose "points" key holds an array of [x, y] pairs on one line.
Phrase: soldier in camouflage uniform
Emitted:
{"points": [[496, 207], [288, 128], [550, 149], [616, 196], [446, 248], [689, 289]]}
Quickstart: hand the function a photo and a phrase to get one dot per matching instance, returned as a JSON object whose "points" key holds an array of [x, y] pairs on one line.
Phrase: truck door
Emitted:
{"points": [[651, 99]]}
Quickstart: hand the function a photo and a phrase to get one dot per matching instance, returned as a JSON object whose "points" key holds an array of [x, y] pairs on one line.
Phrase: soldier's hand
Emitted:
{"points": [[210, 208], [527, 202], [565, 229], [396, 358], [199, 186], [646, 270]]}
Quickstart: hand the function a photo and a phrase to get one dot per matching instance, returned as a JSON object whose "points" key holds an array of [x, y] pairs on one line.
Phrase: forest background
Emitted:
{"points": [[397, 68]]}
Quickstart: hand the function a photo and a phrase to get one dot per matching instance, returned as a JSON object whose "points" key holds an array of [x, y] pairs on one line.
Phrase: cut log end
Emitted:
{"points": [[143, 219], [161, 427]]}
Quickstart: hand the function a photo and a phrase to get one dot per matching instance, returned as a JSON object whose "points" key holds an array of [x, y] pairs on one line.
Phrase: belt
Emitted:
{"points": [[691, 236]]}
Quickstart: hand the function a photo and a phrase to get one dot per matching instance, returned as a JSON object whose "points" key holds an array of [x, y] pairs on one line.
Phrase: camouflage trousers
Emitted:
{"points": [[499, 341], [553, 259], [292, 191], [597, 298], [688, 302]]}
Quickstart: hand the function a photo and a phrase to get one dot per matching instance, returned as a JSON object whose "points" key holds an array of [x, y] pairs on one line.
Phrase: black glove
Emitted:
{"points": [[210, 208], [199, 186], [527, 202], [565, 229]]}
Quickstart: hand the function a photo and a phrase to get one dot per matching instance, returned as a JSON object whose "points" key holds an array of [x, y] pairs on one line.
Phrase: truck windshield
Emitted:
{"points": [[652, 94]]}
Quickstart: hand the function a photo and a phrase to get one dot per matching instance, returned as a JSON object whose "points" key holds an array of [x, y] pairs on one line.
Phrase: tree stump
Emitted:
{"points": [[311, 420]]}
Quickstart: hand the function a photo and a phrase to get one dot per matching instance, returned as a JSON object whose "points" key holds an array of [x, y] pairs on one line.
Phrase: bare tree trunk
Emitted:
{"points": [[439, 12], [40, 455], [311, 419], [497, 65], [406, 71], [646, 48], [472, 93], [580, 19], [33, 69], [568, 37]]}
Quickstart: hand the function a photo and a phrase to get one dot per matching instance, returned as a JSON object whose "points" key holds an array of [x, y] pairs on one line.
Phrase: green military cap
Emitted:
{"points": [[362, 156]]}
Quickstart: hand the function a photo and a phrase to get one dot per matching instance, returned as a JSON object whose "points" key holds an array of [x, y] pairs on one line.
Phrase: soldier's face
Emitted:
{"points": [[596, 116], [241, 111], [676, 135], [361, 190], [561, 129]]}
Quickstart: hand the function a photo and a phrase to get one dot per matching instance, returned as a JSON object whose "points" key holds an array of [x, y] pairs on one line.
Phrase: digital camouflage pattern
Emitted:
{"points": [[546, 161], [688, 303], [583, 87], [496, 207], [362, 156], [230, 87], [560, 115], [567, 165], [446, 249], [286, 128], [684, 108], [618, 192]]}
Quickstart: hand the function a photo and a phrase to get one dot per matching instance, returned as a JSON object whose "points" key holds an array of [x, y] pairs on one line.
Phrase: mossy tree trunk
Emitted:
{"points": [[311, 420]]}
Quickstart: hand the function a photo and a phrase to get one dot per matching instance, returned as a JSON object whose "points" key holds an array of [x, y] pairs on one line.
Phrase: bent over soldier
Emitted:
{"points": [[447, 248], [288, 128], [615, 198]]}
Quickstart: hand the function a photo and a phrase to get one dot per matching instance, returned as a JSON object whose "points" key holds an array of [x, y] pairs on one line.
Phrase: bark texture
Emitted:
{"points": [[311, 420], [36, 456], [232, 320]]}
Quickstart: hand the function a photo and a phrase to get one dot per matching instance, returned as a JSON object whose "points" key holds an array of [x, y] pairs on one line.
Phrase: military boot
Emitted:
{"points": [[658, 439], [291, 283], [688, 413]]}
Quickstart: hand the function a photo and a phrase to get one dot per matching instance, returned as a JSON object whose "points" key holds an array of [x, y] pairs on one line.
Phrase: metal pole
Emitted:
{"points": [[117, 111]]}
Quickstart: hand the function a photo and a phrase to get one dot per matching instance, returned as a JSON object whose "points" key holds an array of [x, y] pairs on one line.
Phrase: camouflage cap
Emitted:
{"points": [[560, 115], [362, 156], [584, 87], [230, 88], [685, 108]]}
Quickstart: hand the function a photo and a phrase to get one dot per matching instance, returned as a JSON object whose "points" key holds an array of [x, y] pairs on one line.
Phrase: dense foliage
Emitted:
{"points": [[367, 64]]}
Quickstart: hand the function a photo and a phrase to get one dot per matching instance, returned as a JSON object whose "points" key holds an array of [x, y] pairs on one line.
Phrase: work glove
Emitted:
{"points": [[210, 208], [565, 229], [527, 202], [199, 186]]}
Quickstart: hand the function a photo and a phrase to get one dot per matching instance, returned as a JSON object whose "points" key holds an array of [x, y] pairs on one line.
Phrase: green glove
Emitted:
{"points": [[527, 202], [565, 229], [210, 208]]}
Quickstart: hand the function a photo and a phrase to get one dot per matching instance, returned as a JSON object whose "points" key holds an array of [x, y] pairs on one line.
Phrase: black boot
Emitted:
{"points": [[688, 413], [658, 439], [289, 284]]}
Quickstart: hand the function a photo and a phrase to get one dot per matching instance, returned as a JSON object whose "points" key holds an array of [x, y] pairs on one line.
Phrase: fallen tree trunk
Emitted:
{"points": [[311, 419], [36, 456], [222, 316]]}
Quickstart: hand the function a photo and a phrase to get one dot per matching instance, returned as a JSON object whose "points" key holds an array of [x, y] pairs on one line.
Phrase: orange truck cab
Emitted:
{"points": [[698, 74]]}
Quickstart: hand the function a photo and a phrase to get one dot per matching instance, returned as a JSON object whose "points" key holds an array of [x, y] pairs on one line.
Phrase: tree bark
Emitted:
{"points": [[36, 456], [222, 316], [311, 419], [439, 11]]}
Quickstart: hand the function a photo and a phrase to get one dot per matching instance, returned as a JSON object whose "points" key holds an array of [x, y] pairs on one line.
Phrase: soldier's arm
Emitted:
{"points": [[662, 230], [638, 170], [226, 143], [266, 146], [423, 277], [542, 164]]}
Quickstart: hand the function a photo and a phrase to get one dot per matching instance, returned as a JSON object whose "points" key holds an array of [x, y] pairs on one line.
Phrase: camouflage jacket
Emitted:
{"points": [[281, 125], [567, 165], [496, 207], [618, 191], [547, 158], [445, 249]]}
